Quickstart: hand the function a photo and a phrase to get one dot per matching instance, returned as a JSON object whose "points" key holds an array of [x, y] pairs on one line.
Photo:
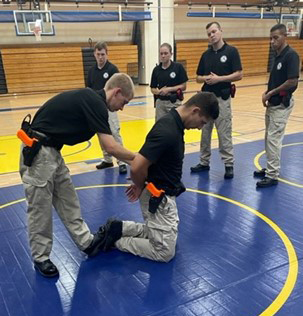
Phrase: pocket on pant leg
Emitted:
{"points": [[31, 177], [160, 237], [42, 170], [279, 114], [276, 130], [37, 175]]}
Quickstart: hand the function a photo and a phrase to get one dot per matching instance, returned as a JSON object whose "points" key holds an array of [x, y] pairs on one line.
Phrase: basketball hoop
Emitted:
{"points": [[292, 23], [37, 30]]}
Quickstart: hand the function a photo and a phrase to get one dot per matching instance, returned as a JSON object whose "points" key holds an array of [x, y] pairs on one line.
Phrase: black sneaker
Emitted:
{"points": [[113, 232], [104, 165], [260, 173], [46, 268], [199, 168], [267, 182], [97, 242], [122, 169], [229, 172]]}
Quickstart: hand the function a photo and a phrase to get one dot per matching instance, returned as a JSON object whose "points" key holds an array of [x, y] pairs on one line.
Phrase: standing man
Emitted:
{"points": [[219, 66], [168, 82], [159, 162], [96, 79], [68, 118], [279, 102]]}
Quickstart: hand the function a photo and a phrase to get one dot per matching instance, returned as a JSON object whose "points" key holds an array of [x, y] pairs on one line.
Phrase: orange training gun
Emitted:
{"points": [[25, 138], [153, 190]]}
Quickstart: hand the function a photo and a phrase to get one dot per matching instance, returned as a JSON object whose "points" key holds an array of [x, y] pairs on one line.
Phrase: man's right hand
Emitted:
{"points": [[265, 97]]}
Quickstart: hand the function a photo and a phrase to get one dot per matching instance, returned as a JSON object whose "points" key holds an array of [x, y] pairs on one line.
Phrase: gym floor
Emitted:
{"points": [[239, 248]]}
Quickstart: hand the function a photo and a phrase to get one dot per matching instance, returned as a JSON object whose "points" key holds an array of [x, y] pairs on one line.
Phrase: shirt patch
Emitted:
{"points": [[223, 59], [279, 66], [172, 75], [105, 75]]}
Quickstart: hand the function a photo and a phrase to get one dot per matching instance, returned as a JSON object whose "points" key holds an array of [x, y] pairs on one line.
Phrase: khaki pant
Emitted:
{"points": [[114, 124], [224, 128], [48, 183], [164, 106], [276, 118], [156, 238]]}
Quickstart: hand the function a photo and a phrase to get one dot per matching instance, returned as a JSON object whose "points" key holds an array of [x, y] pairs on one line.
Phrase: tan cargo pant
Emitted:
{"points": [[156, 238], [114, 125], [224, 128], [276, 118], [164, 106], [47, 182]]}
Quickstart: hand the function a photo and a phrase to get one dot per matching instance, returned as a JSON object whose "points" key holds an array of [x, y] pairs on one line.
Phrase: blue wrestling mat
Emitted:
{"points": [[239, 249]]}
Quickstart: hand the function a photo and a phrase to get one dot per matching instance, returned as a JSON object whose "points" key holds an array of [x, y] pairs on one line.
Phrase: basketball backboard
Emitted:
{"points": [[293, 23], [26, 21]]}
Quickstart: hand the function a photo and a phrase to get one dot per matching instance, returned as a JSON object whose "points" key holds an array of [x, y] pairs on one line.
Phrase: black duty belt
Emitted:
{"points": [[44, 139], [164, 97], [171, 191]]}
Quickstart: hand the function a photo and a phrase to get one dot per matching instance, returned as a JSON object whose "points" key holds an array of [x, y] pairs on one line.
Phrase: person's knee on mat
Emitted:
{"points": [[166, 255]]}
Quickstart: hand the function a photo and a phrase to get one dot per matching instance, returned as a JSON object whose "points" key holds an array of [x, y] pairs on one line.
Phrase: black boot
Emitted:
{"points": [[199, 168], [104, 165], [260, 173], [266, 182], [229, 172], [97, 242], [46, 268], [113, 232], [122, 169]]}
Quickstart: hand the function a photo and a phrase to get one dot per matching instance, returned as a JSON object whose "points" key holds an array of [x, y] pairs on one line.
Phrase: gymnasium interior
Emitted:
{"points": [[239, 249]]}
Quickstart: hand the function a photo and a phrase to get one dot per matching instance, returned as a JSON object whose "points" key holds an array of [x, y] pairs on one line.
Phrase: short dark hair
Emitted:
{"points": [[100, 46], [279, 27], [207, 102], [168, 46], [211, 23]]}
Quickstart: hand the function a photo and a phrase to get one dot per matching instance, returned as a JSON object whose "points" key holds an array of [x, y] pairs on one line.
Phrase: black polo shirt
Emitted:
{"points": [[164, 147], [73, 116], [96, 78], [286, 66], [172, 76], [222, 62]]}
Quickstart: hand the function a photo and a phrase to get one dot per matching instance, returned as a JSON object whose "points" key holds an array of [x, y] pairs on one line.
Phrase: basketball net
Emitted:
{"points": [[37, 30]]}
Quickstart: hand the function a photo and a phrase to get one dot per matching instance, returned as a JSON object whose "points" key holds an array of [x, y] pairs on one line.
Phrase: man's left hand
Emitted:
{"points": [[133, 193]]}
